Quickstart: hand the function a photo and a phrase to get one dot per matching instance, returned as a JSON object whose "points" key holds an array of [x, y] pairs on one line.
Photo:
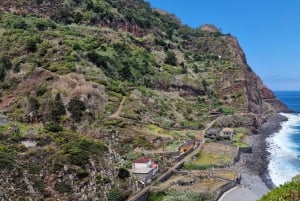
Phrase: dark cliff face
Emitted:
{"points": [[243, 80], [269, 97]]}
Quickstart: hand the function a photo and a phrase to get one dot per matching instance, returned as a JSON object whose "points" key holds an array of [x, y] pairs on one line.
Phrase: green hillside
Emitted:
{"points": [[89, 86], [287, 191]]}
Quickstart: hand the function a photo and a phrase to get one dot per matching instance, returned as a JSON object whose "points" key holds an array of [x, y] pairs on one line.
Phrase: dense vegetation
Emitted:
{"points": [[88, 86], [289, 191]]}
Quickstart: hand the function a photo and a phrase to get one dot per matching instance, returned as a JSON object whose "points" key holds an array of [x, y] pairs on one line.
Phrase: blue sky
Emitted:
{"points": [[268, 31]]}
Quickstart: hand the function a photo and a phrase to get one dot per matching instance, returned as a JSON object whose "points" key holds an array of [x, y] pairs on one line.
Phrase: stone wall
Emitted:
{"points": [[226, 187]]}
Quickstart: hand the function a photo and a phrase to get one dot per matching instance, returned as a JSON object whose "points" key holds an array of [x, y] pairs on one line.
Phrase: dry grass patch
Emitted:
{"points": [[192, 183], [209, 185], [212, 155], [226, 174]]}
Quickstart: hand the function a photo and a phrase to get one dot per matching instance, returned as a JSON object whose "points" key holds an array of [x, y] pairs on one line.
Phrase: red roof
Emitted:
{"points": [[142, 160]]}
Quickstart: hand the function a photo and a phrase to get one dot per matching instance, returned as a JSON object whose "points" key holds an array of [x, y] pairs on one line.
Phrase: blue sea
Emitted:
{"points": [[284, 146]]}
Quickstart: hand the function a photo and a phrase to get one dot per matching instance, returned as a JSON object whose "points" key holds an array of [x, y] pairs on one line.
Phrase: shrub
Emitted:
{"points": [[114, 195], [287, 191], [57, 108], [171, 58], [6, 158], [76, 107], [31, 45], [123, 173], [43, 24], [52, 127], [63, 187], [5, 62], [2, 74], [82, 175], [34, 104], [39, 184], [40, 90], [81, 150], [19, 24], [227, 110], [156, 196], [34, 169]]}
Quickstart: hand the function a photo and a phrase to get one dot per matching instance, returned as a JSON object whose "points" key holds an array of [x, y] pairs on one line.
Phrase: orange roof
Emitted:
{"points": [[188, 143], [142, 160]]}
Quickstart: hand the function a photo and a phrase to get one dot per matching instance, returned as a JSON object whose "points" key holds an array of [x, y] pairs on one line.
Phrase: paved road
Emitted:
{"points": [[252, 188]]}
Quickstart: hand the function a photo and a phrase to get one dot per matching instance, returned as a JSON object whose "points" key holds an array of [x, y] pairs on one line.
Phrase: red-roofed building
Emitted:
{"points": [[145, 169], [142, 162]]}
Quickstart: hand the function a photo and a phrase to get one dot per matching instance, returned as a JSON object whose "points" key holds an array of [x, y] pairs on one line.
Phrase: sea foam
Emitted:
{"points": [[284, 151]]}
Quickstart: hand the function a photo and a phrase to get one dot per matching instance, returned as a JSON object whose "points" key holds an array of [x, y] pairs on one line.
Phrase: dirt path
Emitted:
{"points": [[117, 113]]}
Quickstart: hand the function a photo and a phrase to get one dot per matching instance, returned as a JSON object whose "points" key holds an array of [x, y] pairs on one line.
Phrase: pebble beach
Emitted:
{"points": [[255, 180]]}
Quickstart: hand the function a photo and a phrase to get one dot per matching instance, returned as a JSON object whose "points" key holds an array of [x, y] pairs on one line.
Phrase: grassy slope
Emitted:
{"points": [[171, 75]]}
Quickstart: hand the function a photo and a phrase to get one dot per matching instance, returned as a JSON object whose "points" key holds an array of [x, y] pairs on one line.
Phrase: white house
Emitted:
{"points": [[144, 169], [227, 133], [142, 162]]}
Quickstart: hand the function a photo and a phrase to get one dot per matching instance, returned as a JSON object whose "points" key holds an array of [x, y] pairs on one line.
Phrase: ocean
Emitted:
{"points": [[284, 146]]}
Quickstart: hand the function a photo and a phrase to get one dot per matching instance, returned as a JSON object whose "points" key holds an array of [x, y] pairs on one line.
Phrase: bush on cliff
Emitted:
{"points": [[81, 150], [288, 191]]}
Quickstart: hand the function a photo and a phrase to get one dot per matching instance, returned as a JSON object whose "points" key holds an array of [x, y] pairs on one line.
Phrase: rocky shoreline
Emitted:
{"points": [[258, 162], [255, 179]]}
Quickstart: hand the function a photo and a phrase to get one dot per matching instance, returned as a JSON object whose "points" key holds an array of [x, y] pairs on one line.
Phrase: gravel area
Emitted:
{"points": [[255, 180]]}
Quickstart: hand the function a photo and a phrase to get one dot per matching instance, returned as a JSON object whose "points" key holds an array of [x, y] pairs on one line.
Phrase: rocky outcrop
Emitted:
{"points": [[243, 120], [269, 97], [242, 87]]}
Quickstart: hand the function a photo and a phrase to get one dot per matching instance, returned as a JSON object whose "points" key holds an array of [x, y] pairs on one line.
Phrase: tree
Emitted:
{"points": [[5, 63], [34, 104], [114, 195], [123, 173], [31, 45], [76, 107], [171, 58], [2, 74], [57, 108], [126, 74]]}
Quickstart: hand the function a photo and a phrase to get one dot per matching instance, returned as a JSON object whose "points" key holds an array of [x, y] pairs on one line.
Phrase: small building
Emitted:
{"points": [[145, 175], [212, 133], [227, 133], [145, 169], [142, 162], [187, 146]]}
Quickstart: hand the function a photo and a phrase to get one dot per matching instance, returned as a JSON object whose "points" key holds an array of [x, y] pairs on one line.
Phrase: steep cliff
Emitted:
{"points": [[88, 86]]}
